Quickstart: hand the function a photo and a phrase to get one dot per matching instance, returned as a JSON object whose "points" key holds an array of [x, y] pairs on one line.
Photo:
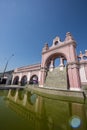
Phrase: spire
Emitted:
{"points": [[56, 40], [68, 36], [45, 48]]}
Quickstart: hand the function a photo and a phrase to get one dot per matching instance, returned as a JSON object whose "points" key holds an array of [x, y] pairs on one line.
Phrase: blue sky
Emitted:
{"points": [[25, 25]]}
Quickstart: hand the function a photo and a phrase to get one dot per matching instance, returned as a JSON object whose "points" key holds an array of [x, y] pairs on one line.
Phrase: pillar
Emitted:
{"points": [[73, 67], [51, 65], [74, 77], [61, 63], [12, 80], [20, 76], [43, 76], [28, 77]]}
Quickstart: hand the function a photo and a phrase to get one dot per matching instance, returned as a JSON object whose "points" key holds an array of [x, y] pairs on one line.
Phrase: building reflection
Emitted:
{"points": [[47, 114]]}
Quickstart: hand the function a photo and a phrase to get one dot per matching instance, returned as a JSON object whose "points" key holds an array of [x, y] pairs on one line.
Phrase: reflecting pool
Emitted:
{"points": [[24, 110]]}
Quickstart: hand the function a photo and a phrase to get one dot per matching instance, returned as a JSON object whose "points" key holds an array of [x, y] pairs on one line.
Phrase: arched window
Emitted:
{"points": [[34, 79], [85, 57], [24, 80], [16, 80]]}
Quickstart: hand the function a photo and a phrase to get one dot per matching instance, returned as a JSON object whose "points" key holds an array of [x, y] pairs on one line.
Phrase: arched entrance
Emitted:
{"points": [[54, 60], [24, 80], [16, 80], [33, 79], [56, 72], [66, 50]]}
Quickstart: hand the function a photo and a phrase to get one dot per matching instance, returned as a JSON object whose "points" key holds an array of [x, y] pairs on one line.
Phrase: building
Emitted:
{"points": [[6, 77], [71, 72]]}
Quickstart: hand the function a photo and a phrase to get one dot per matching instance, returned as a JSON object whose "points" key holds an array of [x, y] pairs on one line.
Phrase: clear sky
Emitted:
{"points": [[25, 25]]}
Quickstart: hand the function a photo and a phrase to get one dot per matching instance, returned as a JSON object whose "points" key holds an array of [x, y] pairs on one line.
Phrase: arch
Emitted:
{"points": [[54, 56], [16, 80], [66, 50], [85, 57], [54, 73], [24, 80], [33, 79]]}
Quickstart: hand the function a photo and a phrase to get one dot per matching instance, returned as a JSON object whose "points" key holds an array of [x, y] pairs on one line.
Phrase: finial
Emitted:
{"points": [[68, 36], [81, 55], [46, 47], [80, 52], [56, 40], [86, 52]]}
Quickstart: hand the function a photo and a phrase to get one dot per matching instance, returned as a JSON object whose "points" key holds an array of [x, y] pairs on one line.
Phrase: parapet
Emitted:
{"points": [[82, 57]]}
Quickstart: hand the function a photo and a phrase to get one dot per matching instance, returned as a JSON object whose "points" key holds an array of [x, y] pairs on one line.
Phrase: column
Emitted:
{"points": [[74, 77], [43, 76], [39, 76], [61, 63], [12, 79], [28, 77], [51, 65], [20, 76]]}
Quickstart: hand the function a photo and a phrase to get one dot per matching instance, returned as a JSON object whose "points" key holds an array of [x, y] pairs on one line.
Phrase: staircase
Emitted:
{"points": [[57, 78]]}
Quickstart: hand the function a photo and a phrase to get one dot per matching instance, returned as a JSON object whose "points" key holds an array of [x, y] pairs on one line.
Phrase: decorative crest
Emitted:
{"points": [[56, 40], [68, 36]]}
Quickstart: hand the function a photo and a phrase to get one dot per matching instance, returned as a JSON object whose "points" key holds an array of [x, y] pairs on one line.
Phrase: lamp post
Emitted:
{"points": [[7, 64]]}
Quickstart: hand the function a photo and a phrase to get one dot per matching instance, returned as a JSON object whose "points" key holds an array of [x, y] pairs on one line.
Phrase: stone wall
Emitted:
{"points": [[57, 78]]}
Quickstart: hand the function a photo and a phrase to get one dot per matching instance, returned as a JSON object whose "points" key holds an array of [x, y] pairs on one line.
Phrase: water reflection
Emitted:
{"points": [[47, 114]]}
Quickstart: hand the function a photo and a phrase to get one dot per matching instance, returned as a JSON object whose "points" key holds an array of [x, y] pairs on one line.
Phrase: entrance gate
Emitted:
{"points": [[66, 51]]}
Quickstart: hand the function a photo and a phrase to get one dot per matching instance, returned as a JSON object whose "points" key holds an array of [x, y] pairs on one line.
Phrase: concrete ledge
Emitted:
{"points": [[7, 87], [75, 96]]}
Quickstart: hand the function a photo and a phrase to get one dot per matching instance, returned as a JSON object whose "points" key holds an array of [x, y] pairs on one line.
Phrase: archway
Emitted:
{"points": [[24, 80], [56, 72], [65, 49], [55, 60], [16, 80], [33, 79]]}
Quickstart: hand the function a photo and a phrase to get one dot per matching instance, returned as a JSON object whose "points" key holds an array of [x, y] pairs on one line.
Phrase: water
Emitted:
{"points": [[27, 111]]}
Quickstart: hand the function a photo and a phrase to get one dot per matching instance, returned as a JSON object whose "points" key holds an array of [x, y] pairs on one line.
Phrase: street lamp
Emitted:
{"points": [[7, 64]]}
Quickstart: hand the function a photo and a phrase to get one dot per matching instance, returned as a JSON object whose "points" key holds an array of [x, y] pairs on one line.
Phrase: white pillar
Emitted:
{"points": [[61, 63], [20, 76], [28, 77], [12, 78], [51, 65], [39, 76]]}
